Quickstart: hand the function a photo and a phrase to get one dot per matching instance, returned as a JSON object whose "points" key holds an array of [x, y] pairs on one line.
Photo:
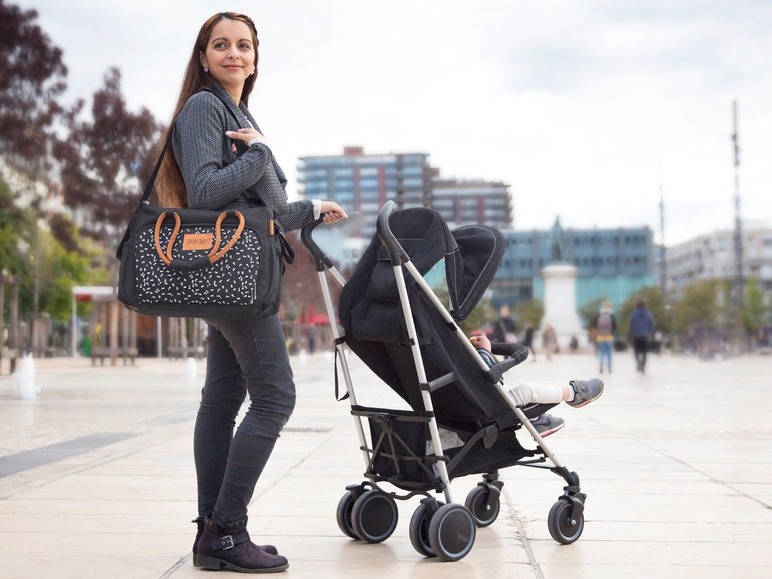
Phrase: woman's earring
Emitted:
{"points": [[206, 69]]}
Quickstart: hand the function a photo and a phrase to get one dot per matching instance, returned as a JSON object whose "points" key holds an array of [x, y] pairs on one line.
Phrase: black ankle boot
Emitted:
{"points": [[199, 531], [270, 549], [230, 547]]}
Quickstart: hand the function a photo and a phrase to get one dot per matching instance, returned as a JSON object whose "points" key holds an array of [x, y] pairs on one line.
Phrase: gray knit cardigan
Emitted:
{"points": [[215, 177]]}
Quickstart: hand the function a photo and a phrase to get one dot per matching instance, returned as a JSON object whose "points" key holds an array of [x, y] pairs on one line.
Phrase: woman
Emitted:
{"points": [[221, 160]]}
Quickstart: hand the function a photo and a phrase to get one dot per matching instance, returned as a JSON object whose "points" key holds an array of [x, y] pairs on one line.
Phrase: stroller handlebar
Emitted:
{"points": [[397, 254], [321, 261]]}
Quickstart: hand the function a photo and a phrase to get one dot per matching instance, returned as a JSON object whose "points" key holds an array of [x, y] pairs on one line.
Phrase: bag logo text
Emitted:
{"points": [[197, 241]]}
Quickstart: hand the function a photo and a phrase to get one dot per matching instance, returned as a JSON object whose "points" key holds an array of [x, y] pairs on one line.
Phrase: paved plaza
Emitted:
{"points": [[97, 477]]}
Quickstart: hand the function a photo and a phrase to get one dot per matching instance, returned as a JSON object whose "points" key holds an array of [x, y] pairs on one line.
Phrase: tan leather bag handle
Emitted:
{"points": [[215, 253]]}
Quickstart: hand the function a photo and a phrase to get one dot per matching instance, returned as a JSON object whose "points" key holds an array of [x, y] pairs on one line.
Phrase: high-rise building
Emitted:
{"points": [[362, 183], [462, 202]]}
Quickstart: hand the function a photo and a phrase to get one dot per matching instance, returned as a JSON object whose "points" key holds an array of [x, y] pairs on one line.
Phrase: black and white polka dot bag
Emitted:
{"points": [[197, 263]]}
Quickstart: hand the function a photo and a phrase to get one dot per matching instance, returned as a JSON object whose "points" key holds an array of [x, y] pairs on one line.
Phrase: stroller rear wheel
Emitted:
{"points": [[374, 516], [343, 515], [419, 526], [452, 532], [564, 527], [479, 503]]}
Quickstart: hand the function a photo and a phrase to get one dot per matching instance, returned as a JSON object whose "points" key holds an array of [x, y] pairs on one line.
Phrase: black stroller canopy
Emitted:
{"points": [[472, 255]]}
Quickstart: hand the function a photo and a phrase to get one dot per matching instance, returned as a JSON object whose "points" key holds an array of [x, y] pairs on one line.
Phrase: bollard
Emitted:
{"points": [[191, 370], [25, 378]]}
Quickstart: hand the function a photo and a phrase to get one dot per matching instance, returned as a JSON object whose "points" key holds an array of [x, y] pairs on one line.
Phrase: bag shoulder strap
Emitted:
{"points": [[143, 200], [266, 202], [151, 180]]}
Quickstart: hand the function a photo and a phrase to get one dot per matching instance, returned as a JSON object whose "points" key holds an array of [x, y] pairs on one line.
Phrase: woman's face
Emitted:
{"points": [[230, 55]]}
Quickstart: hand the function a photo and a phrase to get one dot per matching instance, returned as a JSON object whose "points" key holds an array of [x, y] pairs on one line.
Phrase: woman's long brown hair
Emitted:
{"points": [[170, 187]]}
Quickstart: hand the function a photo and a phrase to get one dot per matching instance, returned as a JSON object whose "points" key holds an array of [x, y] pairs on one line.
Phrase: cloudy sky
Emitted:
{"points": [[587, 108]]}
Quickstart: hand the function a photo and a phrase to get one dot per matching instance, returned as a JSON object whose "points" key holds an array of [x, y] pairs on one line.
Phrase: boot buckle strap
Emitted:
{"points": [[227, 542]]}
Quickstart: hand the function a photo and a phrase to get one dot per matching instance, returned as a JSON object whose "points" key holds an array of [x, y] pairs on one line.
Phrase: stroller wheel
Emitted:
{"points": [[477, 502], [343, 515], [562, 525], [374, 516], [452, 532], [419, 528]]}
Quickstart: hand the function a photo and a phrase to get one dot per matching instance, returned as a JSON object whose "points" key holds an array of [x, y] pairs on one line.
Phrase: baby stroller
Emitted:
{"points": [[461, 419]]}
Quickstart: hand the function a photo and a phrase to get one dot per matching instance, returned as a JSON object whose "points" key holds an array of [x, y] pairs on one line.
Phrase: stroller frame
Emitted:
{"points": [[448, 530]]}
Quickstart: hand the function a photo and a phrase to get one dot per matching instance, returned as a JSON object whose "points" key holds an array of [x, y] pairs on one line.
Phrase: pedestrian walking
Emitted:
{"points": [[605, 326], [528, 340], [550, 341], [641, 330], [505, 328]]}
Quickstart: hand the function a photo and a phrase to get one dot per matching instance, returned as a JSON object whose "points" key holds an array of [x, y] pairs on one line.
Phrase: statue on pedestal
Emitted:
{"points": [[558, 243]]}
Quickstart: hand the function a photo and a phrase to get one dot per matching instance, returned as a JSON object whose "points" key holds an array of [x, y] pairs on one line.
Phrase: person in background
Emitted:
{"points": [[528, 340], [641, 330], [605, 326], [550, 340], [505, 328], [221, 161]]}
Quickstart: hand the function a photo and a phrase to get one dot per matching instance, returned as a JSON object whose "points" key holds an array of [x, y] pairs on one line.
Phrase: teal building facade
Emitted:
{"points": [[611, 263]]}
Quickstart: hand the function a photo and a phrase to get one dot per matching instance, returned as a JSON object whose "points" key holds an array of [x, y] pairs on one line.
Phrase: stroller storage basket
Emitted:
{"points": [[400, 454], [399, 449]]}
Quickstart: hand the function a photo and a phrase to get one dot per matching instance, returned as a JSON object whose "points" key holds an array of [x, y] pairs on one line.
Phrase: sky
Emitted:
{"points": [[591, 110]]}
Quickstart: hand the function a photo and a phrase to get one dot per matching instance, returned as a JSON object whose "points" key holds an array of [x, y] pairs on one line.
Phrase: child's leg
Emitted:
{"points": [[525, 394]]}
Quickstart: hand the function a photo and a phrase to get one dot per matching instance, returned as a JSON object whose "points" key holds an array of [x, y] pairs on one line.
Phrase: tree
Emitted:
{"points": [[61, 270], [530, 312], [106, 159], [46, 268], [17, 227], [699, 306], [32, 77], [755, 312]]}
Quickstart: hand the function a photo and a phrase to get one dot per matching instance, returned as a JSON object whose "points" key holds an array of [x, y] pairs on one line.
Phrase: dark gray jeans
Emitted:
{"points": [[243, 357]]}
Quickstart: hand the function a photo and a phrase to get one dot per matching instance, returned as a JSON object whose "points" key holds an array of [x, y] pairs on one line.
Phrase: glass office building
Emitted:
{"points": [[612, 264], [463, 201], [362, 182]]}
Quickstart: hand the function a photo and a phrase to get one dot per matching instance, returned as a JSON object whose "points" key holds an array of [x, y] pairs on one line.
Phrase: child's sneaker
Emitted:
{"points": [[547, 424], [585, 391]]}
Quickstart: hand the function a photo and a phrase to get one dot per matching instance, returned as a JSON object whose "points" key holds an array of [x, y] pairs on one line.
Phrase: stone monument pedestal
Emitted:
{"points": [[560, 305]]}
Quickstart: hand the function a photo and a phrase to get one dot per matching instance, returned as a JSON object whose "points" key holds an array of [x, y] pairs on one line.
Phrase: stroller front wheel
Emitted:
{"points": [[564, 527], [477, 501]]}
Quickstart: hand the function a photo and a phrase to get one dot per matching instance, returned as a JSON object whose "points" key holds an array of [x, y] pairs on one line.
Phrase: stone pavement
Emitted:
{"points": [[97, 478]]}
